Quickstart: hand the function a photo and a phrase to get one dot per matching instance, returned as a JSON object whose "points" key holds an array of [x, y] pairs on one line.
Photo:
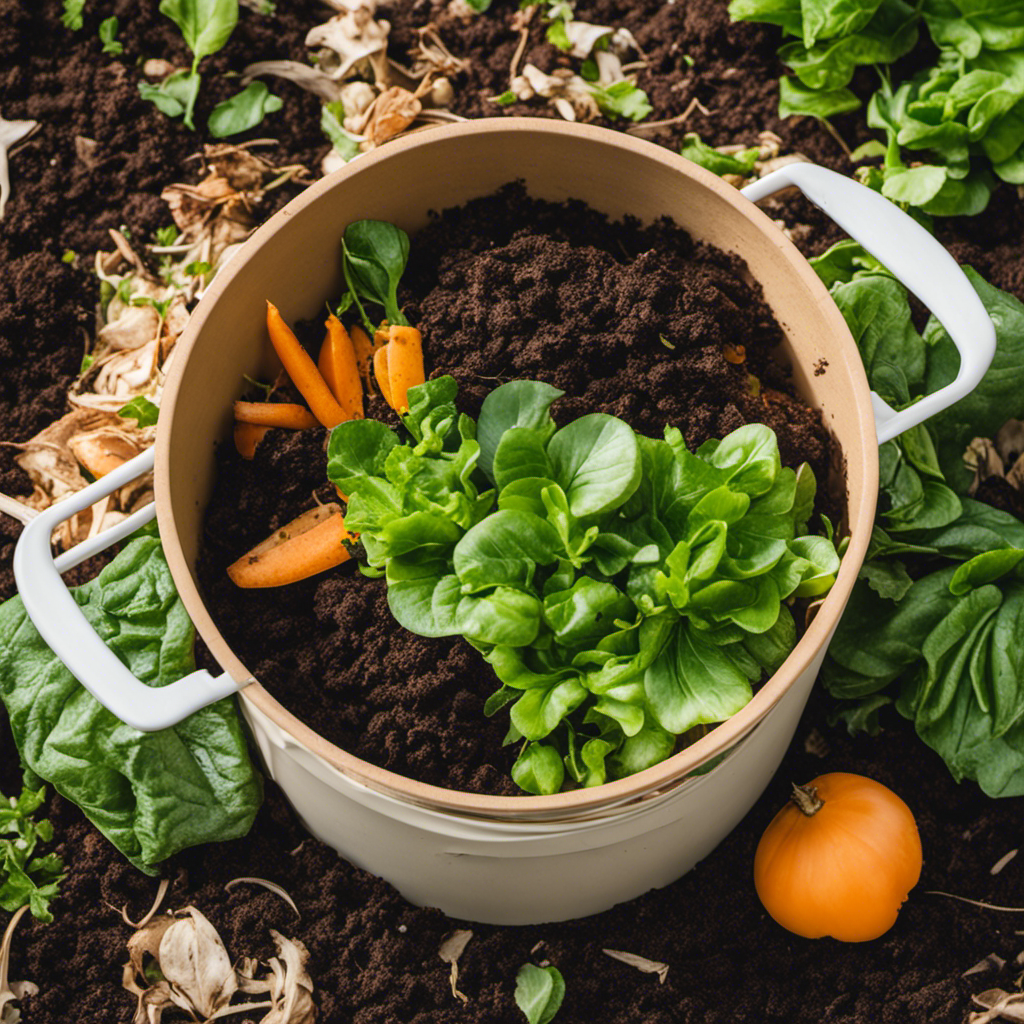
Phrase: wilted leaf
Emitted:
{"points": [[292, 987], [451, 949], [641, 963], [193, 959]]}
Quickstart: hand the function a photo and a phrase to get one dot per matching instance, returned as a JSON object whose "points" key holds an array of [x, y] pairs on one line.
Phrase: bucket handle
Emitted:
{"points": [[61, 623], [917, 261]]}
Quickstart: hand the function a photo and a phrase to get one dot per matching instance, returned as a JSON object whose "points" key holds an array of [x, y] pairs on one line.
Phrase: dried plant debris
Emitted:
{"points": [[605, 80], [273, 887], [146, 295], [451, 949], [641, 963], [179, 965], [11, 133], [993, 962], [1002, 862], [998, 1005], [1000, 456]]}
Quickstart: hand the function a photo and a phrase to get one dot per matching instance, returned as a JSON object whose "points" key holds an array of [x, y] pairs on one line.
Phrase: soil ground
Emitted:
{"points": [[374, 957]]}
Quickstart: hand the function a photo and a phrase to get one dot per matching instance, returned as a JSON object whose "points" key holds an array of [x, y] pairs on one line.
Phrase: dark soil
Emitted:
{"points": [[569, 300], [374, 957]]}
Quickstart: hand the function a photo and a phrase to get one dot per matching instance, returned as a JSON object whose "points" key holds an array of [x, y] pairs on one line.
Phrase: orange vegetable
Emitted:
{"points": [[839, 859], [405, 364], [338, 367], [309, 544], [302, 370], [275, 414], [735, 354], [380, 371], [247, 437], [364, 349], [381, 335]]}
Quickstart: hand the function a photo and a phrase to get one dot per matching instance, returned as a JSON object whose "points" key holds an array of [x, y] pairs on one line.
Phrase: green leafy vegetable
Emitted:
{"points": [[243, 111], [621, 99], [150, 794], [108, 36], [623, 589], [206, 25], [930, 622], [374, 254], [72, 16], [344, 143], [26, 879], [713, 160], [140, 409], [539, 992], [953, 129]]}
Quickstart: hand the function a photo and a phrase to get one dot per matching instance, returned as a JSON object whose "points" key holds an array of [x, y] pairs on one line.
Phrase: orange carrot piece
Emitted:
{"points": [[405, 364], [381, 335], [364, 349], [275, 414], [338, 367], [247, 437], [302, 370], [380, 371], [310, 544]]}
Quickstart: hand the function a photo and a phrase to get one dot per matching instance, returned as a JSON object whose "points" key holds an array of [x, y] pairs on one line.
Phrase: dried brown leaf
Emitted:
{"points": [[998, 1005], [270, 886], [351, 36], [293, 992], [393, 112], [11, 133], [193, 959], [305, 77], [992, 962], [451, 949], [85, 150], [641, 963]]}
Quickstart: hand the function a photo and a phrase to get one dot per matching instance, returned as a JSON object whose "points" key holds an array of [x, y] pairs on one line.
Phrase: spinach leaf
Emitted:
{"points": [[741, 163], [375, 253], [596, 462], [72, 16], [206, 25], [150, 794], [108, 36], [140, 409], [622, 99], [538, 770], [243, 111], [539, 992], [519, 403]]}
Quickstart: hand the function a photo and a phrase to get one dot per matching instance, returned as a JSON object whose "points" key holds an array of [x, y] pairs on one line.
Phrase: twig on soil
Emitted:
{"points": [[273, 887], [694, 104], [523, 19], [165, 884], [6, 994], [16, 510], [827, 125], [975, 903], [1002, 862]]}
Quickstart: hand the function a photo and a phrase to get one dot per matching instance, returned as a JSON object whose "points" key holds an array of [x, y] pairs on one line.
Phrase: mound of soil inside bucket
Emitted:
{"points": [[627, 320]]}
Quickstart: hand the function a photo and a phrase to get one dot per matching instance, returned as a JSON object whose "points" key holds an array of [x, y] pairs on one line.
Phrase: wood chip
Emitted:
{"points": [[992, 962], [1002, 862], [641, 963]]}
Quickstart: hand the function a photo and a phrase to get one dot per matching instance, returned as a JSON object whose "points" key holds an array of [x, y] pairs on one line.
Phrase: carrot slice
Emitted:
{"points": [[405, 364], [380, 371], [338, 367], [247, 437], [310, 544], [364, 349], [302, 370], [275, 414]]}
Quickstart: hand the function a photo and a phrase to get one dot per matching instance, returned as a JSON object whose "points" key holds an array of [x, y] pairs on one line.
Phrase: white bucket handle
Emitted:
{"points": [[918, 262], [66, 630], [890, 235]]}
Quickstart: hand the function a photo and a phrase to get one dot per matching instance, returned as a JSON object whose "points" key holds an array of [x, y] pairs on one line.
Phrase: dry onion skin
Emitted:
{"points": [[839, 859]]}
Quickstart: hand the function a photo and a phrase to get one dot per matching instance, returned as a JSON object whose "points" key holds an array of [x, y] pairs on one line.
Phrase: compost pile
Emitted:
{"points": [[373, 957]]}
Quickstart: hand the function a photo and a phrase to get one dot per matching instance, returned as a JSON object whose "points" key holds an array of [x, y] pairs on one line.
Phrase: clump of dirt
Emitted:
{"points": [[627, 320]]}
